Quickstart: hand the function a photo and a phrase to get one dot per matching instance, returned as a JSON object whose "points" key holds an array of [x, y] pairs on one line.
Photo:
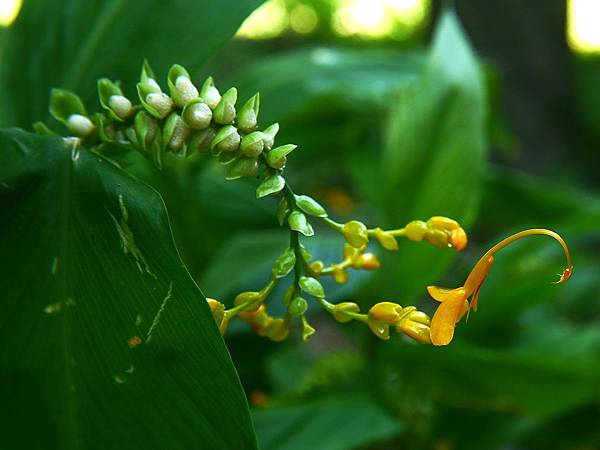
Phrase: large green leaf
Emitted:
{"points": [[70, 44], [435, 152], [88, 263]]}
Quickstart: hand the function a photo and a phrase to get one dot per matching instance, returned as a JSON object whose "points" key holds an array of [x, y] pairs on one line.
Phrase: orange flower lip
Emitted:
{"points": [[454, 302]]}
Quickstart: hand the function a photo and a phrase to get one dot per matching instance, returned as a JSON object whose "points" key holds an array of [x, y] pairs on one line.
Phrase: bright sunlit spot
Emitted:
{"points": [[583, 26], [364, 18], [377, 18], [268, 21], [9, 9]]}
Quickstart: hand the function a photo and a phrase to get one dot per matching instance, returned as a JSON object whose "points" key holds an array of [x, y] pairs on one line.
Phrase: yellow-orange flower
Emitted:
{"points": [[455, 303]]}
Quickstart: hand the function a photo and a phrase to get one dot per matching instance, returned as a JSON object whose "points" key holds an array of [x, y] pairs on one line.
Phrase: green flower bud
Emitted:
{"points": [[253, 144], [284, 263], [247, 118], [106, 129], [305, 253], [297, 306], [288, 295], [226, 158], [243, 167], [158, 104], [277, 155], [355, 233], [80, 125], [64, 104], [227, 139], [299, 222], [131, 137], [307, 330], [210, 94], [197, 114], [282, 211], [270, 185], [175, 132], [310, 206], [201, 140], [112, 99], [224, 112], [279, 164], [340, 311], [121, 106], [270, 132], [312, 287], [181, 87], [146, 129]]}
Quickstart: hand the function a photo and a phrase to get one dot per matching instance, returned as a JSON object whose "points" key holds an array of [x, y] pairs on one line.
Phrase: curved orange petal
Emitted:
{"points": [[442, 294], [445, 318], [478, 274]]}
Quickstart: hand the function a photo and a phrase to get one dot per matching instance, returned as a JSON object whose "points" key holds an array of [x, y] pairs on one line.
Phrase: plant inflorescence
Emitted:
{"points": [[189, 119]]}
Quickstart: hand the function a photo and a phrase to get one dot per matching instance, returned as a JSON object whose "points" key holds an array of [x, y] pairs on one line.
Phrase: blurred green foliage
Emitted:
{"points": [[387, 134]]}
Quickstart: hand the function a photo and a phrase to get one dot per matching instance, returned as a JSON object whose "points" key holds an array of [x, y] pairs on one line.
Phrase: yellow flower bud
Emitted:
{"points": [[415, 230], [443, 223], [458, 238], [386, 239], [350, 252], [418, 331], [420, 317], [386, 312], [355, 233], [317, 267], [217, 308], [369, 261], [438, 238], [277, 330], [251, 297], [251, 316], [379, 329], [340, 275], [341, 310]]}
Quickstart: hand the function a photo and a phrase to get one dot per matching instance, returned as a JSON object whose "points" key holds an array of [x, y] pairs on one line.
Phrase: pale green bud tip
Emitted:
{"points": [[270, 133], [186, 91], [210, 94], [248, 116], [80, 125], [198, 116], [161, 102], [151, 85], [120, 105]]}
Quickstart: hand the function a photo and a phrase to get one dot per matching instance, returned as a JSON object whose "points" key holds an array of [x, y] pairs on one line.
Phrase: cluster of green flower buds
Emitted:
{"points": [[184, 120]]}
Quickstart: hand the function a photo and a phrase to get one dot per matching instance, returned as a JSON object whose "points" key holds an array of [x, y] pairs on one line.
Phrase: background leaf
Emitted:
{"points": [[341, 423], [89, 264], [434, 157]]}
